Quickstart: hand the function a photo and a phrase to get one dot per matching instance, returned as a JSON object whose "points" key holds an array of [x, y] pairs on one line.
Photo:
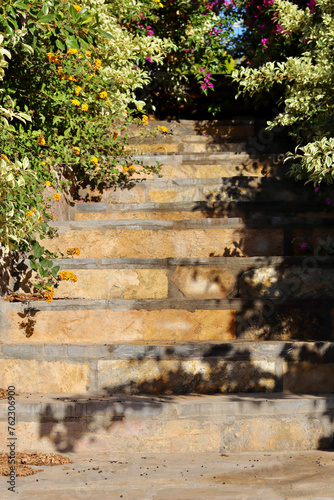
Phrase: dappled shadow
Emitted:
{"points": [[145, 394]]}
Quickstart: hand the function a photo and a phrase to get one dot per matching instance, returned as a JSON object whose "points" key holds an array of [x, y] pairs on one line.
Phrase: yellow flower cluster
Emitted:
{"points": [[75, 102], [145, 119], [84, 107], [53, 58], [98, 64], [73, 251], [163, 129], [88, 53], [103, 94], [77, 90], [77, 8], [72, 78], [48, 183], [56, 196], [67, 276], [158, 1], [30, 213], [41, 140], [130, 169], [72, 51], [48, 297], [94, 160], [76, 150]]}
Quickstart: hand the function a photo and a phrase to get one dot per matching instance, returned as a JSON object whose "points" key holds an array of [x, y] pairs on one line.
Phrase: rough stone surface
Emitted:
{"points": [[44, 377], [297, 282], [202, 283], [116, 283], [171, 243], [211, 375], [292, 324], [265, 434], [198, 214], [307, 377], [94, 326]]}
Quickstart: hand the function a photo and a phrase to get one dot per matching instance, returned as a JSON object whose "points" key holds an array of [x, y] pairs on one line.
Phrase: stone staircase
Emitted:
{"points": [[197, 323]]}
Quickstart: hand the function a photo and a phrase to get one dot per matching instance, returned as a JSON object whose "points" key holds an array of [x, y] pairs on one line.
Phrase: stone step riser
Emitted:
{"points": [[201, 210], [102, 242], [240, 189], [165, 321], [227, 144], [209, 171], [164, 280], [196, 239], [152, 369], [157, 425], [186, 129]]}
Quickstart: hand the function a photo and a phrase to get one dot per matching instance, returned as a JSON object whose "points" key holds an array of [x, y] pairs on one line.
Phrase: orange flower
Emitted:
{"points": [[56, 197], [41, 140]]}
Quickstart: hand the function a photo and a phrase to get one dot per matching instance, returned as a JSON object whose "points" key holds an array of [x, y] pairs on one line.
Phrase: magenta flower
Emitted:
{"points": [[264, 42], [201, 70], [328, 201], [203, 85], [317, 189], [303, 246], [149, 59]]}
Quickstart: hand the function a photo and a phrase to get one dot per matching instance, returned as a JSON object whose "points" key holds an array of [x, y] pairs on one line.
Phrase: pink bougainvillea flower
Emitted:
{"points": [[303, 246], [201, 70], [203, 85], [264, 42], [328, 201], [149, 59]]}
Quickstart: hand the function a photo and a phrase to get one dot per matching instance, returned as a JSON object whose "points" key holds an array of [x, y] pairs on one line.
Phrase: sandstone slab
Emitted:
{"points": [[202, 283], [177, 376], [107, 326], [43, 376], [145, 243], [115, 283]]}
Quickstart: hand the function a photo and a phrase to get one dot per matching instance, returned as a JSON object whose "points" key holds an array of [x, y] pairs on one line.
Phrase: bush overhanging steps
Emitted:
{"points": [[197, 322]]}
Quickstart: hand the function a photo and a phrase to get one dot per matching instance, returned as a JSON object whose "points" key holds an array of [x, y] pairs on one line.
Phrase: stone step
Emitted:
{"points": [[202, 368], [273, 278], [197, 210], [200, 128], [171, 321], [206, 165], [238, 189], [159, 239], [174, 424]]}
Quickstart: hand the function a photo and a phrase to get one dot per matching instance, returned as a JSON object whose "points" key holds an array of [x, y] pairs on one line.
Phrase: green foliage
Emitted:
{"points": [[198, 38], [308, 86]]}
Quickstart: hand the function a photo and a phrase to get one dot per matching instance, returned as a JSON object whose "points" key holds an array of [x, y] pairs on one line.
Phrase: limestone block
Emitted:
{"points": [[211, 375], [44, 376], [297, 282], [145, 243], [203, 283], [116, 283], [95, 326], [309, 378]]}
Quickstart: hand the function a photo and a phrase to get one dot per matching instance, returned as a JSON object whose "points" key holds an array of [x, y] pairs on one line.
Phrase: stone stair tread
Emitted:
{"points": [[208, 223]]}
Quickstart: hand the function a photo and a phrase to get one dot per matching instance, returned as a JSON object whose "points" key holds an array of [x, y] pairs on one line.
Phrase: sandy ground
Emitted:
{"points": [[246, 476]]}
